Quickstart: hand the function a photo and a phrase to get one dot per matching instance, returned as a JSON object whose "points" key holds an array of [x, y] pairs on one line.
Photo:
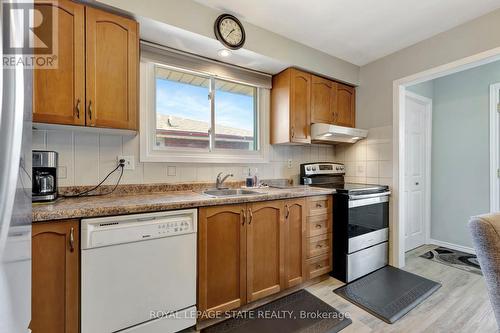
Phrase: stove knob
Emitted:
{"points": [[308, 168], [314, 168]]}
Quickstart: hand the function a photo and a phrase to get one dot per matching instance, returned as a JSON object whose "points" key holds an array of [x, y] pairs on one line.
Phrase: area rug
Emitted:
{"points": [[461, 260], [388, 293], [298, 312]]}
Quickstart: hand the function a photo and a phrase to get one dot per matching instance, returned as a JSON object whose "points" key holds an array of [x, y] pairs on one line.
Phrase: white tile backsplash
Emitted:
{"points": [[368, 160], [87, 158]]}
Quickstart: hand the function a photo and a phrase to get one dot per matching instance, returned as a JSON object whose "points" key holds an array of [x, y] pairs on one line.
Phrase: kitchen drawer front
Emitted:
{"points": [[318, 225], [319, 205], [318, 266], [319, 245]]}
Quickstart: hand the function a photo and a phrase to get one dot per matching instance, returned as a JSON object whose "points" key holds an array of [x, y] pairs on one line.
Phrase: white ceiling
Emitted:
{"points": [[358, 31]]}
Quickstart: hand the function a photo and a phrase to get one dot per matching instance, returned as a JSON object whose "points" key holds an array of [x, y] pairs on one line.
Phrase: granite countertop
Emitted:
{"points": [[143, 202]]}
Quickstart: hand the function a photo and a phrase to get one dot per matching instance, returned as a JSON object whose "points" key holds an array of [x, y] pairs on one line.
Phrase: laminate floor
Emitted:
{"points": [[460, 305]]}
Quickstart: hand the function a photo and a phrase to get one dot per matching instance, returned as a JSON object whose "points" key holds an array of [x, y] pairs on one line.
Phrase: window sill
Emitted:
{"points": [[214, 158]]}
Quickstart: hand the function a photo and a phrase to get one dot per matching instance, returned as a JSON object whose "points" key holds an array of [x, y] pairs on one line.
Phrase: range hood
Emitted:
{"points": [[326, 133]]}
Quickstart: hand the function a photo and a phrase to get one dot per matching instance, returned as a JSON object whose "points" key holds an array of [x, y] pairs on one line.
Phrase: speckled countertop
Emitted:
{"points": [[142, 202]]}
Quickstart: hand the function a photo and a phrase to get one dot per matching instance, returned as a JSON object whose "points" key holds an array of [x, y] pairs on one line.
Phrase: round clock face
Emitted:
{"points": [[229, 30]]}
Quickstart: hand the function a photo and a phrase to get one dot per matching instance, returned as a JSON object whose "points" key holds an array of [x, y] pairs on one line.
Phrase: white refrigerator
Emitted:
{"points": [[15, 185]]}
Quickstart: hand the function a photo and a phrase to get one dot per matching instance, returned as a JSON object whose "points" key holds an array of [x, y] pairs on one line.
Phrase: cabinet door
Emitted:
{"points": [[59, 94], [300, 107], [55, 277], [346, 99], [112, 66], [321, 100], [221, 258], [295, 238], [265, 249]]}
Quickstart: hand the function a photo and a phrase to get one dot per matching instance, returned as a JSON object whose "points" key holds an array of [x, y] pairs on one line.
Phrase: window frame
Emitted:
{"points": [[148, 153]]}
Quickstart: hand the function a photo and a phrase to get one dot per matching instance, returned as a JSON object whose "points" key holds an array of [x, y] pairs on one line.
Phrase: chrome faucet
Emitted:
{"points": [[220, 180]]}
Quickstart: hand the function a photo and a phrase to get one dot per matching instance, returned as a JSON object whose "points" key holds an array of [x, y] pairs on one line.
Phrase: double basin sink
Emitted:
{"points": [[230, 192]]}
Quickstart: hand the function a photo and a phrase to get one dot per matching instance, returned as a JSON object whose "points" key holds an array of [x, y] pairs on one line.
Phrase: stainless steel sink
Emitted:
{"points": [[230, 192]]}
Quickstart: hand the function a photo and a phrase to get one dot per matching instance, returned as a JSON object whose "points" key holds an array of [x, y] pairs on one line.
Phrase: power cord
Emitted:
{"points": [[121, 165]]}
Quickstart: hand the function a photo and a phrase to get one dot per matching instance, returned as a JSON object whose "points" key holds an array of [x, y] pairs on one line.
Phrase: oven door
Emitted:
{"points": [[368, 220]]}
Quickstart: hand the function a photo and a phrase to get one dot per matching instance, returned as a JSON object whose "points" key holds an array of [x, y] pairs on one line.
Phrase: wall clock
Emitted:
{"points": [[229, 31]]}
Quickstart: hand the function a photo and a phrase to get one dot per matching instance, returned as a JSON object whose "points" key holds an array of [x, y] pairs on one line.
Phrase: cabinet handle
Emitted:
{"points": [[293, 132], [287, 210], [90, 110], [319, 205], [72, 240], [318, 226], [318, 266], [319, 246], [77, 108], [244, 216], [251, 216]]}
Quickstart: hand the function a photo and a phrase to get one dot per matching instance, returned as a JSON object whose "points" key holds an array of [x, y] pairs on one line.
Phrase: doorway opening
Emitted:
{"points": [[404, 183]]}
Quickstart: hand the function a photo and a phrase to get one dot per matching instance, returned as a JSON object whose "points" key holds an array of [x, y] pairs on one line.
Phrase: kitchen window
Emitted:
{"points": [[197, 111], [194, 116]]}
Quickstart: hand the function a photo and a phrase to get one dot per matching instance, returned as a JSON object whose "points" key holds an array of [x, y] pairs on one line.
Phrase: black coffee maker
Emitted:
{"points": [[44, 178]]}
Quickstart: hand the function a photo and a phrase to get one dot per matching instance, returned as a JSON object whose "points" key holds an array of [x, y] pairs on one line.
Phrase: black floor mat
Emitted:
{"points": [[287, 314], [388, 293]]}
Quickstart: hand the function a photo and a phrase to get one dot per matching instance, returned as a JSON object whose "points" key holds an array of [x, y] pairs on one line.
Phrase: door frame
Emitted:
{"points": [[427, 165], [397, 253], [494, 146]]}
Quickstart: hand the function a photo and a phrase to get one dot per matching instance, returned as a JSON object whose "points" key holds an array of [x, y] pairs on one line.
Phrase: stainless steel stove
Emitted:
{"points": [[360, 220]]}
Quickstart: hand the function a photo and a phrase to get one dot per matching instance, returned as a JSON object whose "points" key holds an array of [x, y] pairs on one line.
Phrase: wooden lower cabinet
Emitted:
{"points": [[265, 249], [55, 277], [295, 241], [221, 258], [250, 251]]}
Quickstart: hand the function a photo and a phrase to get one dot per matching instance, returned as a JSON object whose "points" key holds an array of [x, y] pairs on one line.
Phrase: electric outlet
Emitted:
{"points": [[289, 163], [129, 162]]}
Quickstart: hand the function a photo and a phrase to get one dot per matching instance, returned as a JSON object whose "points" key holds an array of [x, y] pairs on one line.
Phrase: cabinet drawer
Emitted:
{"points": [[318, 225], [319, 205], [318, 265], [318, 245]]}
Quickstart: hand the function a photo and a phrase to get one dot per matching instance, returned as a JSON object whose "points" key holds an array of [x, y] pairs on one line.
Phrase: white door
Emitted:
{"points": [[417, 119], [495, 147]]}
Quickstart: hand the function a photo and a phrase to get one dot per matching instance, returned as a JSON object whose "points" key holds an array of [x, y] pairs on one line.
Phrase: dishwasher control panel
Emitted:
{"points": [[99, 232]]}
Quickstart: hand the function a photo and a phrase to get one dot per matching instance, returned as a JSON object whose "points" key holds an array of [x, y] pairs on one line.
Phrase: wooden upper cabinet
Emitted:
{"points": [[265, 249], [59, 94], [300, 106], [323, 100], [112, 70], [295, 237], [55, 277], [346, 100], [222, 258], [291, 107]]}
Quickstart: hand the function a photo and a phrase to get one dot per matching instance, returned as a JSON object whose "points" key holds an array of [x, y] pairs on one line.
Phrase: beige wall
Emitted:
{"points": [[374, 96], [193, 17]]}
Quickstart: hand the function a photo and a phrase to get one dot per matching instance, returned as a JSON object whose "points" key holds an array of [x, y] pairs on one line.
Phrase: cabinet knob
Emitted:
{"points": [[243, 217], [251, 216], [293, 132], [319, 246], [72, 240], [77, 108], [318, 226], [90, 110]]}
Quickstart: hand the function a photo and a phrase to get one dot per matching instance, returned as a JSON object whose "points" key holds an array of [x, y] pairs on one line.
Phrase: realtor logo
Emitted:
{"points": [[29, 34]]}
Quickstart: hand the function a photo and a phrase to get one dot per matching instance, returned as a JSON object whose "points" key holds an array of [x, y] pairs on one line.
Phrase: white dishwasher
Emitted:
{"points": [[139, 273]]}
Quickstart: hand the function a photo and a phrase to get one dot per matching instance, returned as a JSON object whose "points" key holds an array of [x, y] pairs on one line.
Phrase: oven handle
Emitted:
{"points": [[368, 201], [373, 195]]}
